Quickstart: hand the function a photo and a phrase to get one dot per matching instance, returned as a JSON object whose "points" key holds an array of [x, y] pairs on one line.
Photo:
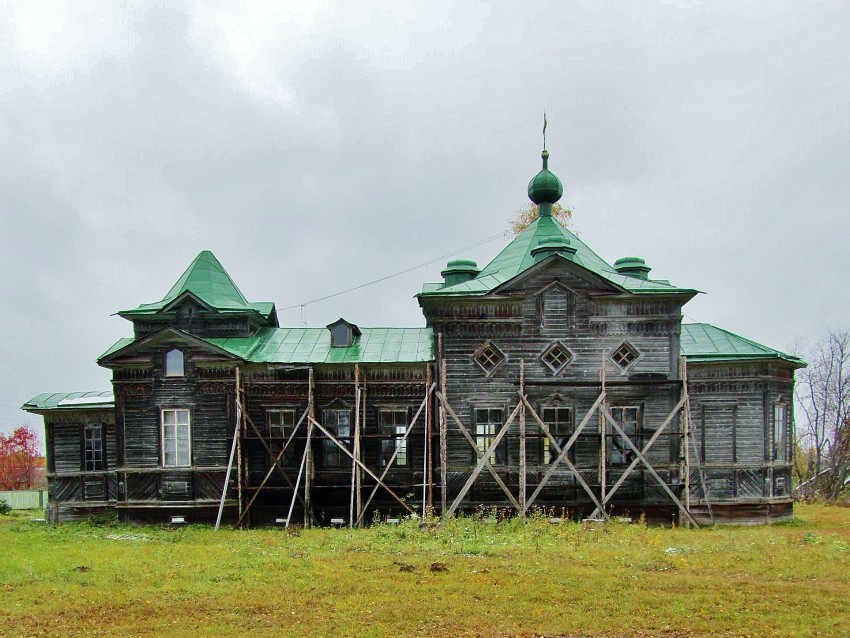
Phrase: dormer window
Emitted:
{"points": [[343, 333], [174, 363]]}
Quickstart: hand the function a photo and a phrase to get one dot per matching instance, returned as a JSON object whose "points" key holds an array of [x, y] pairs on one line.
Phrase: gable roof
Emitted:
{"points": [[517, 257], [703, 342], [207, 281], [70, 401], [313, 345]]}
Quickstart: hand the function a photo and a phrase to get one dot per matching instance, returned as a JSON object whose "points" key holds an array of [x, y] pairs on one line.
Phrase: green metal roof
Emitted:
{"points": [[517, 257], [702, 342], [123, 342], [207, 279], [70, 401], [313, 345]]}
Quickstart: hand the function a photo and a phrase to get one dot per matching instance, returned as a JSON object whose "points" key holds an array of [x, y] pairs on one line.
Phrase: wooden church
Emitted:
{"points": [[546, 379]]}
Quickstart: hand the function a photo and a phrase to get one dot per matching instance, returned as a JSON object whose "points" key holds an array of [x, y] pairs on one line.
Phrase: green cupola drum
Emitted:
{"points": [[545, 188]]}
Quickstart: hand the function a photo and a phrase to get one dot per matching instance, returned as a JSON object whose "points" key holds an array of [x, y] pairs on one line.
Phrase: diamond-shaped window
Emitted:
{"points": [[625, 355], [489, 357], [556, 357]]}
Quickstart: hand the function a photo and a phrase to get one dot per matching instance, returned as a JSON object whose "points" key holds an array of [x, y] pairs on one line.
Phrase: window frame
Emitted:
{"points": [[91, 464], [556, 345], [342, 330], [329, 448], [286, 430], [166, 365], [498, 360], [394, 437], [163, 438], [547, 453], [777, 455], [636, 437], [630, 346], [499, 456]]}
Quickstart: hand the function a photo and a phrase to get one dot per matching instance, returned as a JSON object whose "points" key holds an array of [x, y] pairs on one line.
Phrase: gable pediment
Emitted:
{"points": [[142, 350], [562, 271], [188, 302]]}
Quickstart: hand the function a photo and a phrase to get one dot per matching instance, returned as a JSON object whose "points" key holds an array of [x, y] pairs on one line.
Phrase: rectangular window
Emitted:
{"points": [[779, 431], [281, 423], [338, 423], [393, 424], [619, 452], [559, 421], [176, 439], [488, 422], [93, 446]]}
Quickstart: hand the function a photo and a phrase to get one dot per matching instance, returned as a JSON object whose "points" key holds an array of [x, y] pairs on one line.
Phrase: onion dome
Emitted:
{"points": [[545, 188]]}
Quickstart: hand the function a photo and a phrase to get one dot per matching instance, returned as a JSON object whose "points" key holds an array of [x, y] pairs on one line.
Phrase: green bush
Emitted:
{"points": [[5, 508]]}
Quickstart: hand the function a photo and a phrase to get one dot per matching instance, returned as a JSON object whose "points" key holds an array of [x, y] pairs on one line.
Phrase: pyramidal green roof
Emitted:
{"points": [[703, 342], [207, 279], [517, 257]]}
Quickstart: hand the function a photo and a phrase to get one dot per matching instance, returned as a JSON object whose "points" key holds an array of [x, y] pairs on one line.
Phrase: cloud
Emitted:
{"points": [[317, 146]]}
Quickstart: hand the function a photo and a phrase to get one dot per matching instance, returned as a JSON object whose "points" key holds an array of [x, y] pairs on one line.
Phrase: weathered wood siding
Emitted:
{"points": [[732, 407], [560, 304], [142, 391], [397, 387], [73, 492]]}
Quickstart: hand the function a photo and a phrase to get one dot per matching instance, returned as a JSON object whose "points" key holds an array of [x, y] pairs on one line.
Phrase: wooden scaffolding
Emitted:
{"points": [[523, 417]]}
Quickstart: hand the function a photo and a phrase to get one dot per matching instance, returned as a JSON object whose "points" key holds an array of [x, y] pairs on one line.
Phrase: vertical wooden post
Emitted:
{"points": [[240, 462], [522, 440], [443, 432], [603, 432], [685, 471], [427, 491], [354, 433], [359, 422], [308, 470], [236, 435]]}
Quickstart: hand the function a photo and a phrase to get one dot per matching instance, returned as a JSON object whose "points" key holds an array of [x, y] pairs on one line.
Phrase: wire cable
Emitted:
{"points": [[397, 274]]}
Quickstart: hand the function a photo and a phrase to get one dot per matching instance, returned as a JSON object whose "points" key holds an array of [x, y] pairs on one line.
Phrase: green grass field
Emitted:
{"points": [[474, 577]]}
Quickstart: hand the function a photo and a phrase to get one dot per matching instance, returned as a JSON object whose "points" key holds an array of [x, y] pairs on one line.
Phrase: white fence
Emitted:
{"points": [[25, 499]]}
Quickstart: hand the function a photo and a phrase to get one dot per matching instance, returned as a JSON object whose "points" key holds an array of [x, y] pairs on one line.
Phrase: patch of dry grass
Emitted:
{"points": [[500, 578]]}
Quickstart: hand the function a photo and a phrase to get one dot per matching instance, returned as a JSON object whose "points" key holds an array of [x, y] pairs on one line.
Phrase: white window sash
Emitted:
{"points": [[176, 434]]}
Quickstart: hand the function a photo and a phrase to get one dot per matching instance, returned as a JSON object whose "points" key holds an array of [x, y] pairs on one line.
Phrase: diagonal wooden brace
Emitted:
{"points": [[348, 453], [562, 454], [269, 450], [646, 447], [275, 463], [478, 452], [649, 467], [395, 453], [483, 460], [300, 474]]}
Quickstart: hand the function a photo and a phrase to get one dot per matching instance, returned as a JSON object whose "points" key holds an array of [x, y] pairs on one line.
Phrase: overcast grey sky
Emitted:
{"points": [[316, 146]]}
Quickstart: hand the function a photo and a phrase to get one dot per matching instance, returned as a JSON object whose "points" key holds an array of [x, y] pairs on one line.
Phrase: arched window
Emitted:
{"points": [[174, 363]]}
